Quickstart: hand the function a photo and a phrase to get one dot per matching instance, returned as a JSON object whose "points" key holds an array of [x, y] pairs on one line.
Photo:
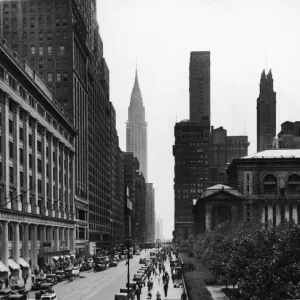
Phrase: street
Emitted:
{"points": [[100, 285]]}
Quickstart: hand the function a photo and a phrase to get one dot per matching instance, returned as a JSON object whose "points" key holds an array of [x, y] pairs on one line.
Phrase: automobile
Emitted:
{"points": [[85, 267], [49, 296], [122, 296], [60, 275], [100, 267], [16, 296], [4, 294], [116, 257], [113, 263], [75, 271], [19, 288], [68, 272], [130, 255], [45, 288], [104, 260], [38, 281], [142, 260], [51, 278], [138, 277]]}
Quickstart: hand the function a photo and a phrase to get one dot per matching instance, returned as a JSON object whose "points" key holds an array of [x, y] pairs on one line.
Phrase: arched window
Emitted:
{"points": [[270, 183], [294, 183]]}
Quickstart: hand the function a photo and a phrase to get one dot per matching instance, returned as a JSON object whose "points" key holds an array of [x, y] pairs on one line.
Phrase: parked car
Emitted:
{"points": [[85, 267], [60, 275], [51, 278], [113, 263], [4, 294], [38, 281], [142, 260], [75, 271], [49, 296], [19, 289], [45, 289], [17, 296]]}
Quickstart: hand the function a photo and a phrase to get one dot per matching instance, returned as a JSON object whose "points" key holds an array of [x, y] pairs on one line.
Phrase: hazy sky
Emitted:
{"points": [[243, 36]]}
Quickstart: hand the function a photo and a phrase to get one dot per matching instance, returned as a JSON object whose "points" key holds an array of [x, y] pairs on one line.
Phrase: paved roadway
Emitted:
{"points": [[98, 285]]}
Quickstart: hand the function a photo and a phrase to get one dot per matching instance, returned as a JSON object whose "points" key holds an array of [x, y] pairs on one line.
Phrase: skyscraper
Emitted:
{"points": [[266, 113], [200, 86], [136, 128]]}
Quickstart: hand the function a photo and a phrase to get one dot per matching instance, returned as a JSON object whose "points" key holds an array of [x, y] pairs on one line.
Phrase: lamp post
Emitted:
{"points": [[128, 242]]}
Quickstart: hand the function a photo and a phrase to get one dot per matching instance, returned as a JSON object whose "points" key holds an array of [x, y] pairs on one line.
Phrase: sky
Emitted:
{"points": [[243, 36]]}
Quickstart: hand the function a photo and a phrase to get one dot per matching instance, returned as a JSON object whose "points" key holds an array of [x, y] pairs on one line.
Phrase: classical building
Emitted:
{"points": [[224, 149], [46, 33], [266, 112], [191, 152], [37, 215], [289, 136], [150, 214], [200, 86], [136, 128], [131, 171]]}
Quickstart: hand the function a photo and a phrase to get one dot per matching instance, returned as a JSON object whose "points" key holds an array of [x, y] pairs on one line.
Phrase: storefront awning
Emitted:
{"points": [[56, 257], [3, 267], [23, 262], [13, 265], [67, 256]]}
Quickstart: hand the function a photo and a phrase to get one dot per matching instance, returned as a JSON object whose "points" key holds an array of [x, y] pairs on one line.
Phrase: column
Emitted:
{"points": [[25, 243], [5, 157], [72, 240], [262, 216], [50, 162], [71, 168], [34, 247], [44, 174], [43, 234], [57, 205], [208, 216], [56, 238], [34, 167], [287, 212], [270, 215], [278, 215], [67, 186], [5, 243], [16, 244], [63, 238], [295, 213], [67, 238], [64, 191], [17, 202], [26, 196]]}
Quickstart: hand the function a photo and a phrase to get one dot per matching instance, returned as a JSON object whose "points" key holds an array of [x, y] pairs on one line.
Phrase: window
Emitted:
{"points": [[57, 35], [6, 9], [48, 7], [41, 36], [25, 37], [21, 134], [64, 7], [58, 77], [270, 183], [58, 64], [11, 150], [49, 36], [65, 35], [41, 50], [39, 186], [32, 50], [6, 23], [30, 161], [21, 179], [64, 21], [39, 146], [49, 50], [14, 37], [41, 22], [11, 126], [57, 22], [61, 50], [30, 140], [49, 76], [65, 88], [65, 77], [30, 182], [47, 152], [50, 63], [40, 7], [32, 23], [294, 183], [32, 7], [32, 62], [58, 91], [41, 63], [11, 175], [47, 170], [21, 156], [39, 165]]}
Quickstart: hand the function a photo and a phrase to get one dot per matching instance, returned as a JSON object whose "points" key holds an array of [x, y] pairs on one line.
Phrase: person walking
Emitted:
{"points": [[163, 278], [159, 279], [6, 282], [149, 285], [166, 289], [183, 296], [138, 293], [158, 296]]}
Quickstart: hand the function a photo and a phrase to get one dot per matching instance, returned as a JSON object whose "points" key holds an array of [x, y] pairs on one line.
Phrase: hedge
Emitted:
{"points": [[195, 287]]}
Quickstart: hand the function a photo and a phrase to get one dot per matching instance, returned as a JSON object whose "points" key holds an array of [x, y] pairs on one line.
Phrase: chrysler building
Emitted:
{"points": [[136, 128]]}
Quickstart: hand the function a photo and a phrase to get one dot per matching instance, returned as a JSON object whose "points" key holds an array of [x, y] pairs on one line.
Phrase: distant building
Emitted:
{"points": [[136, 128], [200, 86], [289, 136], [266, 113], [150, 213], [223, 150], [191, 153], [264, 188]]}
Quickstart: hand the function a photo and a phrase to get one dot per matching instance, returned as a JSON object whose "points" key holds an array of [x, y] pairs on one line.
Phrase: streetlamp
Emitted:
{"points": [[128, 242]]}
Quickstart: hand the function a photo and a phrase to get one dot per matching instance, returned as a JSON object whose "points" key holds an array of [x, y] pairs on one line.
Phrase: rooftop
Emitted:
{"points": [[275, 153]]}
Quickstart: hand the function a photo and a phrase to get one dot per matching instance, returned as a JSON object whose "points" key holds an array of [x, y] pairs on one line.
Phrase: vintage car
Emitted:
{"points": [[49, 296], [4, 294], [85, 267], [19, 289], [38, 281], [75, 271], [45, 289], [122, 296], [51, 278], [16, 296], [138, 277], [68, 273], [113, 263], [60, 275], [142, 260], [129, 291]]}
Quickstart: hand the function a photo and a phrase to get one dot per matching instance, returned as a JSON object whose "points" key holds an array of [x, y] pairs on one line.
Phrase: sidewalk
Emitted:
{"points": [[173, 293]]}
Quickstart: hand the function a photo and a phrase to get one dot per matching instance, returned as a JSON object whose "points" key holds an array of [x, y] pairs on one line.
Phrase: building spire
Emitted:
{"points": [[136, 96]]}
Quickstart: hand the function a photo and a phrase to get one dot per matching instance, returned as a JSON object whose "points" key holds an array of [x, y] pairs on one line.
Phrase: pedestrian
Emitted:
{"points": [[183, 296], [163, 278], [158, 296], [149, 286], [159, 279], [25, 278], [149, 295], [173, 277], [166, 289], [151, 283], [138, 294], [1, 283], [6, 282]]}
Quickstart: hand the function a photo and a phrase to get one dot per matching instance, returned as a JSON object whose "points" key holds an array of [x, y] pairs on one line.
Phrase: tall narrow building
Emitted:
{"points": [[200, 86], [266, 113], [136, 128]]}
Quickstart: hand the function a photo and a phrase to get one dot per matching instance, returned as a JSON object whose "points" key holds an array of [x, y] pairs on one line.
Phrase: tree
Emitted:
{"points": [[191, 240], [179, 240]]}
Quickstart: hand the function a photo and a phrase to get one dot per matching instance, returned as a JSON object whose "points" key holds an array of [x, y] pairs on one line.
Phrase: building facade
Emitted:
{"points": [[289, 136], [150, 214], [200, 86], [136, 128], [192, 164], [266, 112], [37, 218]]}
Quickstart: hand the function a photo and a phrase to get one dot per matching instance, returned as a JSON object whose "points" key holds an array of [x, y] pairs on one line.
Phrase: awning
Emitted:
{"points": [[3, 267], [13, 265], [55, 257], [23, 263], [67, 256]]}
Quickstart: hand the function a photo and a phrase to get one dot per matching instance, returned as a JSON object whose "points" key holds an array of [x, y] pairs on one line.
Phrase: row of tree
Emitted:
{"points": [[265, 264]]}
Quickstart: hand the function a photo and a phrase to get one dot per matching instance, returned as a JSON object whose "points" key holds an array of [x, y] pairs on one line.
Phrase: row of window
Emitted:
{"points": [[270, 183], [40, 7], [41, 22], [41, 48]]}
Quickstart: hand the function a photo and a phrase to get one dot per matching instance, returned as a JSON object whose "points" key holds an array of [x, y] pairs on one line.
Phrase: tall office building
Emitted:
{"points": [[60, 39], [266, 113], [136, 128], [150, 213], [200, 86]]}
